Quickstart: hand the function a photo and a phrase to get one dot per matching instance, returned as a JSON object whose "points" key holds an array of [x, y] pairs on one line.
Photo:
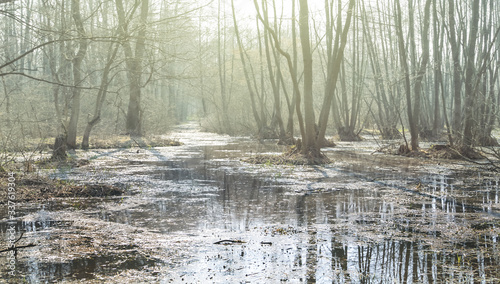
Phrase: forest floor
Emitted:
{"points": [[32, 186], [198, 213]]}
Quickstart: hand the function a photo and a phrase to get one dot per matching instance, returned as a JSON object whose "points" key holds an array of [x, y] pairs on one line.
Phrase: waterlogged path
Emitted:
{"points": [[201, 215]]}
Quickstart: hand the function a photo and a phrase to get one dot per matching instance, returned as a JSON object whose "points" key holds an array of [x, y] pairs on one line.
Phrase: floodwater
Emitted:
{"points": [[201, 215]]}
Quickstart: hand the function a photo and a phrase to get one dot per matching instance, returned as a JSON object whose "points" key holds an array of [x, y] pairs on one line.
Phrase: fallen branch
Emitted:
{"points": [[15, 248], [18, 247], [229, 242]]}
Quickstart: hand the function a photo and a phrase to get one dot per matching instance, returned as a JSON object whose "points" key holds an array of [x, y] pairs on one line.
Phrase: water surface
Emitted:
{"points": [[365, 218]]}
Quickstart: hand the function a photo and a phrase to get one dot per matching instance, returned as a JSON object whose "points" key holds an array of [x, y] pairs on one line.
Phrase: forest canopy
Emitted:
{"points": [[271, 68]]}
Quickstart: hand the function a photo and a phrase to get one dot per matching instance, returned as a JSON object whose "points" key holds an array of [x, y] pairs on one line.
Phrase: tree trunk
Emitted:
{"points": [[335, 59], [134, 64], [309, 145], [470, 76], [59, 151], [438, 77], [77, 77], [292, 65], [7, 102], [245, 71], [457, 71], [101, 96], [488, 101], [406, 70], [414, 127], [386, 119], [221, 55], [274, 79], [293, 105]]}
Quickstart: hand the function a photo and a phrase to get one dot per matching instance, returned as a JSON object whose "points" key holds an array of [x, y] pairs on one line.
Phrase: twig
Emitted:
{"points": [[18, 247], [489, 161], [229, 242]]}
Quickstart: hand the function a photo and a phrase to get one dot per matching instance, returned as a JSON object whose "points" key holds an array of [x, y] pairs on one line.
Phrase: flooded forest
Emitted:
{"points": [[249, 141]]}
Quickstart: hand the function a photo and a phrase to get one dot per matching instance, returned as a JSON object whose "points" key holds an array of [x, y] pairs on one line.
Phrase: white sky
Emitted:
{"points": [[246, 8]]}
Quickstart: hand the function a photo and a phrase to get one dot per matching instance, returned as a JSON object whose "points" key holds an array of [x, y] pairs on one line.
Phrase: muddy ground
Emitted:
{"points": [[198, 213]]}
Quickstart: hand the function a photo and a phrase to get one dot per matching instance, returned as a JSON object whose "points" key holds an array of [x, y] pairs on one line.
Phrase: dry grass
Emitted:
{"points": [[29, 187], [292, 157], [117, 141], [125, 141]]}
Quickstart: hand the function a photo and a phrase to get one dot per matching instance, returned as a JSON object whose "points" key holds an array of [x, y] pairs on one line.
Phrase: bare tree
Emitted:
{"points": [[77, 74], [413, 105], [346, 123], [248, 80], [457, 70], [470, 76], [387, 108], [133, 59], [101, 95]]}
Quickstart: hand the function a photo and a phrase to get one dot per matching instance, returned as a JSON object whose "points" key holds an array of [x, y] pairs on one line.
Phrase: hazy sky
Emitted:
{"points": [[247, 7]]}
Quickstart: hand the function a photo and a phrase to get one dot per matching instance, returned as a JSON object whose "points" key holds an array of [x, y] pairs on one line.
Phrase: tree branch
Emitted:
{"points": [[47, 81]]}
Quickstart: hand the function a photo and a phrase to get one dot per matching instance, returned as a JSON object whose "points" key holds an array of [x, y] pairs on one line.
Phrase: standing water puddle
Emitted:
{"points": [[200, 215]]}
